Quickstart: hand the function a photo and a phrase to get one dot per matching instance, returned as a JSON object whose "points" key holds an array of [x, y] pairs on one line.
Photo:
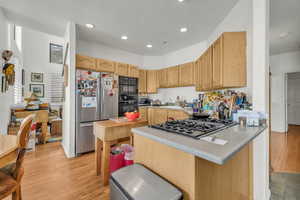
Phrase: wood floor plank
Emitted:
{"points": [[49, 175], [286, 150]]}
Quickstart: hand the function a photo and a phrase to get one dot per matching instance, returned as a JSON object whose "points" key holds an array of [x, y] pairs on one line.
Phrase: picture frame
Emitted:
{"points": [[23, 77], [56, 53], [37, 77], [37, 89]]}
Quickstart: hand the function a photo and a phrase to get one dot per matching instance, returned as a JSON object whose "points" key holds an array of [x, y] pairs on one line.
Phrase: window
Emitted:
{"points": [[56, 53]]}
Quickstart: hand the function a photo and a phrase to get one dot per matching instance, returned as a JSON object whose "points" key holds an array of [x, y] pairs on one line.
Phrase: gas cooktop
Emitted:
{"points": [[195, 128]]}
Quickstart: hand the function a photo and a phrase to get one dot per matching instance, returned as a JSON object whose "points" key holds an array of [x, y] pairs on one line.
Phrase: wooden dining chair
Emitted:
{"points": [[11, 175]]}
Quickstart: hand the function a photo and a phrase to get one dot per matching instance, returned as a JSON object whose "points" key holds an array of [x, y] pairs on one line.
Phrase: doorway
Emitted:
{"points": [[293, 99]]}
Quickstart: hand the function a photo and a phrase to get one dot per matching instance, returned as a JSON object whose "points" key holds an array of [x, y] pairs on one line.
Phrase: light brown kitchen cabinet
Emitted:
{"points": [[163, 78], [217, 63], [86, 62], [233, 60], [206, 70], [133, 71], [177, 114], [186, 74], [152, 81], [142, 81], [197, 74], [157, 116], [173, 76], [122, 69], [105, 65], [143, 113]]}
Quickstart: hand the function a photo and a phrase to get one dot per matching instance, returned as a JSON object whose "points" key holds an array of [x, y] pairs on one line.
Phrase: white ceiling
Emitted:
{"points": [[285, 18], [143, 21]]}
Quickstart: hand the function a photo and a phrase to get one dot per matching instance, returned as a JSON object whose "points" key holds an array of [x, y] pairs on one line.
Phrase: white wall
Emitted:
{"points": [[5, 98], [101, 51], [280, 65], [68, 142], [260, 95], [36, 55]]}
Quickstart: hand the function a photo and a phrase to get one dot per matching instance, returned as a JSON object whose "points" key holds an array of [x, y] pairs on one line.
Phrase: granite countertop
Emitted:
{"points": [[236, 137]]}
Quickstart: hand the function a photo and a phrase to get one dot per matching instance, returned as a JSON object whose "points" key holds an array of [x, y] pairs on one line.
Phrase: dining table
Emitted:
{"points": [[8, 149]]}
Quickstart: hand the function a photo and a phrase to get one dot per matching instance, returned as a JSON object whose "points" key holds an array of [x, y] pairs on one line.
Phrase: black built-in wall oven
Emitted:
{"points": [[128, 95]]}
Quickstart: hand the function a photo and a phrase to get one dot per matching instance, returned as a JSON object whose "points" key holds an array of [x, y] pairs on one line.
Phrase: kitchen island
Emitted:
{"points": [[106, 134], [202, 169]]}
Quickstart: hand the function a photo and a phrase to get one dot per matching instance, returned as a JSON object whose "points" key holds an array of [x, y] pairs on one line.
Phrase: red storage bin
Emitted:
{"points": [[117, 161]]}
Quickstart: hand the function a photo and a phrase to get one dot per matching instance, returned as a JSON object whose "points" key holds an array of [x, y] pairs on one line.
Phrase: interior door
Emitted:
{"points": [[293, 98]]}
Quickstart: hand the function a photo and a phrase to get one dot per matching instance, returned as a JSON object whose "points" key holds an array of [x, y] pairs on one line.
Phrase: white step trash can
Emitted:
{"points": [[136, 182]]}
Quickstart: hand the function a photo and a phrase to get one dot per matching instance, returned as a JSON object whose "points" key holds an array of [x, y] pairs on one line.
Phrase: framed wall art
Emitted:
{"points": [[37, 77], [37, 89]]}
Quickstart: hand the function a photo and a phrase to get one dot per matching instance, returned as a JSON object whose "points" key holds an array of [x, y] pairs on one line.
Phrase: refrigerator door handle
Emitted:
{"points": [[86, 124], [99, 100]]}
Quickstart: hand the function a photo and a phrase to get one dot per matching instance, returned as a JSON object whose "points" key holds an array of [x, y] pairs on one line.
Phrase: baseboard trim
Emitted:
{"points": [[67, 154], [279, 132]]}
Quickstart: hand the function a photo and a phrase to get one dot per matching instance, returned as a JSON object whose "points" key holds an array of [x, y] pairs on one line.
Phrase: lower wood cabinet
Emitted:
{"points": [[161, 115], [143, 113], [157, 116], [177, 114]]}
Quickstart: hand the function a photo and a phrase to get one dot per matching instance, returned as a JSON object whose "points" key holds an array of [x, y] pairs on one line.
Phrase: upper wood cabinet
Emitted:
{"points": [[186, 74], [122, 69], [206, 70], [105, 65], [163, 78], [197, 74], [152, 81], [133, 71], [217, 63], [142, 81], [222, 66], [234, 67], [86, 62], [173, 76]]}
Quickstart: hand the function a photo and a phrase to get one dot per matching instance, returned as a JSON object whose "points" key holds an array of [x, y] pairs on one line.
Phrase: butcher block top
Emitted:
{"points": [[8, 144], [109, 130]]}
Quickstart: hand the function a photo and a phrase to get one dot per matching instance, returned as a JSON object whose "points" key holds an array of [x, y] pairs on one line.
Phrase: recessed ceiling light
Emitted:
{"points": [[149, 45], [90, 25], [180, 1], [284, 34], [124, 37], [183, 30]]}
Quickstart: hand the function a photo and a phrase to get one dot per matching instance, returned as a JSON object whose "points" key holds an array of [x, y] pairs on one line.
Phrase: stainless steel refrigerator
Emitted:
{"points": [[96, 99]]}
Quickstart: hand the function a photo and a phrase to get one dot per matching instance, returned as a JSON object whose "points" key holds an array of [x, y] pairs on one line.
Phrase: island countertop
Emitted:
{"points": [[236, 137]]}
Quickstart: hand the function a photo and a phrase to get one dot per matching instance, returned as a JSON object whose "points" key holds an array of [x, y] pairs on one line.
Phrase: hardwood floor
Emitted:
{"points": [[49, 175], [285, 155]]}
